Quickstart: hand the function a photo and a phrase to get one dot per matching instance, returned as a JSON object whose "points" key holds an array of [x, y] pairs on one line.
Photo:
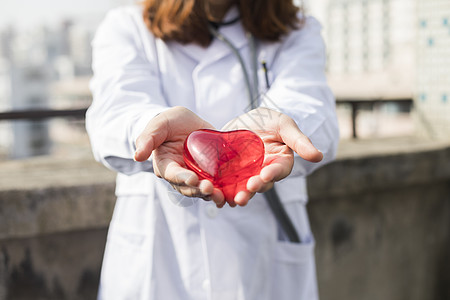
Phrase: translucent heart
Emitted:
{"points": [[226, 158]]}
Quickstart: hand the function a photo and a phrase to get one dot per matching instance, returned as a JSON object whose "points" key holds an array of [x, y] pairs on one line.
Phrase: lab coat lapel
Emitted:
{"points": [[218, 49]]}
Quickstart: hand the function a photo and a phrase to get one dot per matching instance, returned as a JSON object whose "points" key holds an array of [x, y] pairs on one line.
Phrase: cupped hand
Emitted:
{"points": [[164, 136], [280, 135]]}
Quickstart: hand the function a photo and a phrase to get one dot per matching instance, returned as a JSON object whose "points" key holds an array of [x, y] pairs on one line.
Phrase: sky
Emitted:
{"points": [[28, 13]]}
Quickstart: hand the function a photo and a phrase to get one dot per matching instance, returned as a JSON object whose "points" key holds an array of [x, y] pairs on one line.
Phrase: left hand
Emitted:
{"points": [[280, 135], [163, 138]]}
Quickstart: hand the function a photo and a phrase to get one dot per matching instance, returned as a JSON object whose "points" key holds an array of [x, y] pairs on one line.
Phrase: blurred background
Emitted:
{"points": [[380, 213], [45, 62]]}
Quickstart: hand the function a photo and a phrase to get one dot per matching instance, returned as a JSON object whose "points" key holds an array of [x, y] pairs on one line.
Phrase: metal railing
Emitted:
{"points": [[39, 114], [357, 104]]}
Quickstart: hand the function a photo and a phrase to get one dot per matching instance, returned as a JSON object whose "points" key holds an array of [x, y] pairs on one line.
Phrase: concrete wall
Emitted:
{"points": [[382, 225], [53, 223], [380, 214]]}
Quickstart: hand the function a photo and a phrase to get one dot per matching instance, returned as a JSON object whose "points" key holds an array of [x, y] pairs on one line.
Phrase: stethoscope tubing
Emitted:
{"points": [[271, 196], [251, 93]]}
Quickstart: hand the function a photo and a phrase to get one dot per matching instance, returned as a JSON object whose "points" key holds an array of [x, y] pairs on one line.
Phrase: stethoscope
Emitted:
{"points": [[271, 195], [252, 90]]}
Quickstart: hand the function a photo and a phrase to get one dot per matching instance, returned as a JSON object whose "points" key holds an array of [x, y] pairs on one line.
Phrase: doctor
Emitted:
{"points": [[166, 68]]}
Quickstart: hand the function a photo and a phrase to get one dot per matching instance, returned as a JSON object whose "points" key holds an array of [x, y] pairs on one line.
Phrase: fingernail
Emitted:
{"points": [[321, 153]]}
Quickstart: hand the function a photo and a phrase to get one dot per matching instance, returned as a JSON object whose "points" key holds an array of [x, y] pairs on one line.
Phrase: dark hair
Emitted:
{"points": [[185, 21]]}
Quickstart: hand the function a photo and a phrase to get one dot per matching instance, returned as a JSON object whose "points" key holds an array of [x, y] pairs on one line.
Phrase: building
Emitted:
{"points": [[5, 94], [29, 89], [24, 84], [42, 67], [433, 65], [391, 49], [371, 46]]}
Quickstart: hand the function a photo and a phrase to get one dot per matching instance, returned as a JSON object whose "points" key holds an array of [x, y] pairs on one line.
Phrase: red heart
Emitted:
{"points": [[226, 158]]}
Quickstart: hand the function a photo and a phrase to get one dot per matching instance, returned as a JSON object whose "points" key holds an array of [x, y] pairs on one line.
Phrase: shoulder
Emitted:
{"points": [[309, 26], [124, 18], [124, 23], [307, 36], [125, 12], [302, 48], [311, 23]]}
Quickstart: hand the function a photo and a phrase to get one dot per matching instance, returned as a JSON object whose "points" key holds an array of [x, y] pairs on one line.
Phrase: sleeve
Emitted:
{"points": [[126, 91], [300, 90]]}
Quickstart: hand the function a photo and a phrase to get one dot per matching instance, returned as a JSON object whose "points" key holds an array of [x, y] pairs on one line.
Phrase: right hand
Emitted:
{"points": [[164, 136], [281, 136]]}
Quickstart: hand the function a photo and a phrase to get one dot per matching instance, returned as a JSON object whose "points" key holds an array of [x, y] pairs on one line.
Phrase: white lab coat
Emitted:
{"points": [[159, 250]]}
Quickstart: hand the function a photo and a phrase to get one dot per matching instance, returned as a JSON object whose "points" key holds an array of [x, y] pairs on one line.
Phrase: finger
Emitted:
{"points": [[188, 191], [297, 141], [218, 198], [206, 198], [203, 190], [154, 134], [172, 172], [276, 170], [206, 187], [231, 202], [256, 185], [243, 197]]}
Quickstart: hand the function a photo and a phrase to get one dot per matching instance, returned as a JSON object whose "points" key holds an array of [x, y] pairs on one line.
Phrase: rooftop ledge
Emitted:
{"points": [[48, 195]]}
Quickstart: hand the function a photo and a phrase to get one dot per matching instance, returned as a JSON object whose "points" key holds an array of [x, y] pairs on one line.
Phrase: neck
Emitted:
{"points": [[216, 9]]}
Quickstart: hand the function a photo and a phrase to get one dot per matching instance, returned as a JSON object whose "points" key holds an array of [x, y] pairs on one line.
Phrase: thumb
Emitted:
{"points": [[154, 134], [297, 141]]}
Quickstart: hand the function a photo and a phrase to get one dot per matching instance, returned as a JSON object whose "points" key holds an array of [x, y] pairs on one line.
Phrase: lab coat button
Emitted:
{"points": [[212, 211], [206, 284]]}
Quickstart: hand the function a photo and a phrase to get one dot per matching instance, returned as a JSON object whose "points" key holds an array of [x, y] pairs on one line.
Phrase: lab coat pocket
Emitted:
{"points": [[125, 265], [293, 272]]}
